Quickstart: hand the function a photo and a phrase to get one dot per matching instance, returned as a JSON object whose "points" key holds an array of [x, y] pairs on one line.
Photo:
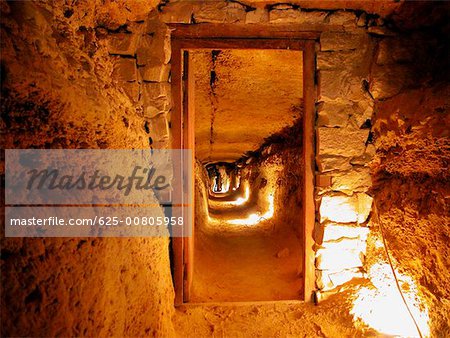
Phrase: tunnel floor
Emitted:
{"points": [[253, 266]]}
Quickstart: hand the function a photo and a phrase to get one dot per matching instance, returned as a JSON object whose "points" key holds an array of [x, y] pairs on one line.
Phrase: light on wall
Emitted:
{"points": [[381, 306], [256, 218]]}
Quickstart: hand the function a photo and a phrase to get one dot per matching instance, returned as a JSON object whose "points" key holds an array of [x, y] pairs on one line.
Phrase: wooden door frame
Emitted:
{"points": [[223, 36]]}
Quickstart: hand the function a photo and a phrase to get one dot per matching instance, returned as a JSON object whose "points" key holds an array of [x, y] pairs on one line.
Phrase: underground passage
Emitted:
{"points": [[261, 168], [247, 229]]}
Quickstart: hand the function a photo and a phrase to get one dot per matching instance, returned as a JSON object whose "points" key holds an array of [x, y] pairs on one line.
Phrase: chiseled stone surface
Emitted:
{"points": [[344, 18], [125, 70], [259, 15], [333, 114], [346, 244], [132, 89], [122, 44], [327, 163], [339, 208], [336, 41], [328, 279], [159, 128], [345, 209], [177, 12], [389, 80], [343, 59], [355, 180], [363, 111], [312, 17], [284, 15], [365, 158], [341, 84], [364, 207], [156, 98], [155, 72], [219, 12], [334, 232], [154, 49], [345, 259], [341, 141]]}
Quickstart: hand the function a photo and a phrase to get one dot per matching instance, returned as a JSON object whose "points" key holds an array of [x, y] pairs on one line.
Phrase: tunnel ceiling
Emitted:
{"points": [[241, 98]]}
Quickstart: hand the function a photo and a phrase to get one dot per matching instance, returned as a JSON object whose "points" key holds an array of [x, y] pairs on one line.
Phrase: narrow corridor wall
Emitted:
{"points": [[60, 91]]}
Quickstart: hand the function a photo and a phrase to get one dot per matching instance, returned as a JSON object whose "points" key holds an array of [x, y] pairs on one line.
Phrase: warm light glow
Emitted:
{"points": [[338, 209], [255, 218], [242, 200], [382, 308], [379, 243]]}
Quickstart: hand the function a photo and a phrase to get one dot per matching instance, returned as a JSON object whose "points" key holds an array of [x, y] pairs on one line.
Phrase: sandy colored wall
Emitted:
{"points": [[411, 190], [59, 90]]}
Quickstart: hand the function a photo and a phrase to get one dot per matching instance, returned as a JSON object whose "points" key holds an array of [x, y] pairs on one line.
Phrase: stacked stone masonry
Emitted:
{"points": [[142, 69], [355, 60]]}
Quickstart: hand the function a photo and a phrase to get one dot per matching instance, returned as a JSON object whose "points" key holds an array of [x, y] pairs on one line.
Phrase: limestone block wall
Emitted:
{"points": [[141, 54], [343, 150], [344, 111]]}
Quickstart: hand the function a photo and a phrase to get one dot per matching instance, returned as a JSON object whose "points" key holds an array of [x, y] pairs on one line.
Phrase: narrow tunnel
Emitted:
{"points": [[247, 230]]}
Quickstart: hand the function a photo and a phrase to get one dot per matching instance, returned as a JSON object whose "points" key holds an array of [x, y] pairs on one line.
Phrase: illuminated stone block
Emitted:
{"points": [[364, 207], [328, 280], [122, 44], [342, 209], [327, 259], [334, 232], [351, 244], [345, 209], [341, 141]]}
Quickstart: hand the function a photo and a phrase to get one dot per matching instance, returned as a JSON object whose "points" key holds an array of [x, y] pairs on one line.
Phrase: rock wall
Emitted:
{"points": [[276, 170], [97, 76], [62, 88], [410, 171]]}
